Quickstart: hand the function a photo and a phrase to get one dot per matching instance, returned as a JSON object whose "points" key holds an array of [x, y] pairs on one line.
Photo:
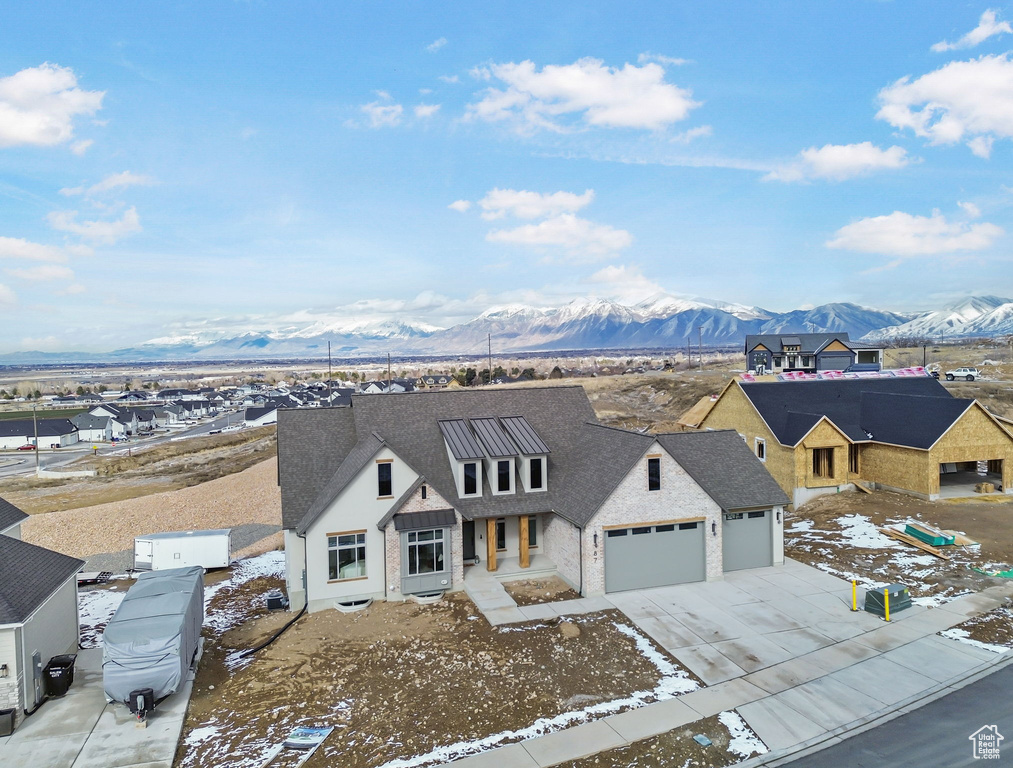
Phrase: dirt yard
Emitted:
{"points": [[837, 533], [536, 591], [162, 468], [250, 496], [402, 681], [993, 629]]}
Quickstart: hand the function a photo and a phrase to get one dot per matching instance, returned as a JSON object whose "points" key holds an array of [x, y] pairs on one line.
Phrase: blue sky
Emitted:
{"points": [[250, 165]]}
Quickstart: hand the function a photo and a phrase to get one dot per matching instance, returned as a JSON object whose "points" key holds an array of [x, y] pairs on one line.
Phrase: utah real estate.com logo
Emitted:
{"points": [[985, 742]]}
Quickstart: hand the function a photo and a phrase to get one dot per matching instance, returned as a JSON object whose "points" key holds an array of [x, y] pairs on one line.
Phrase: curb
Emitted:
{"points": [[819, 743]]}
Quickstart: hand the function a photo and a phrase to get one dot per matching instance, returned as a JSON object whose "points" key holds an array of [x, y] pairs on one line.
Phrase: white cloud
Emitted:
{"points": [[461, 206], [434, 46], [838, 162], [523, 204], [7, 297], [72, 290], [43, 273], [657, 57], [382, 115], [968, 101], [693, 133], [80, 147], [625, 283], [96, 231], [987, 27], [21, 249], [903, 235], [582, 239], [113, 181], [423, 111], [38, 106], [972, 211], [558, 97], [449, 78]]}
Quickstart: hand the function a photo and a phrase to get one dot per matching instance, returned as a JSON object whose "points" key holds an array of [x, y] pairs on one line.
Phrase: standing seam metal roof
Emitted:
{"points": [[462, 443], [524, 437], [492, 437]]}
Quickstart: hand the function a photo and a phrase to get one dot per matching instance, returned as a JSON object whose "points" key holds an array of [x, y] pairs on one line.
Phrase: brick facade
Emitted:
{"points": [[561, 540], [679, 498], [392, 542], [10, 696]]}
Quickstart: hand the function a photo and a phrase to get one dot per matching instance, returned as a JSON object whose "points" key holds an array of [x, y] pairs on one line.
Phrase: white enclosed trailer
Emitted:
{"points": [[180, 549]]}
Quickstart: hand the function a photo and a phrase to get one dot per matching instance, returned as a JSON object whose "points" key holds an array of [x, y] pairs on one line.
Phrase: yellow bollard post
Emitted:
{"points": [[854, 595], [886, 603]]}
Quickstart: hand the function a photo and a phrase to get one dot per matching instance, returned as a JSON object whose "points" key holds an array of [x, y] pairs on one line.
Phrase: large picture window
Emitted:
{"points": [[346, 556], [425, 552]]}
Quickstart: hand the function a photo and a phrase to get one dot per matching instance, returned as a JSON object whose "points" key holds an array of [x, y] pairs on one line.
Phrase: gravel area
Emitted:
{"points": [[249, 499], [244, 537]]}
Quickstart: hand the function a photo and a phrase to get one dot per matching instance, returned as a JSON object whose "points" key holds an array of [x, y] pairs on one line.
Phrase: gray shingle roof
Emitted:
{"points": [[722, 464], [312, 443], [9, 515], [88, 421], [28, 576], [809, 343], [47, 427]]}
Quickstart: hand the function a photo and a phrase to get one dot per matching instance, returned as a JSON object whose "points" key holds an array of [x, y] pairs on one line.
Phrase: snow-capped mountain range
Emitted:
{"points": [[663, 321]]}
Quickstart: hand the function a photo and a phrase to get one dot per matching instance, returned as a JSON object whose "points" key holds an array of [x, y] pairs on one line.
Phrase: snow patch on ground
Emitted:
{"points": [[95, 608], [674, 681], [743, 742], [860, 531], [801, 526], [267, 564], [199, 735], [962, 636]]}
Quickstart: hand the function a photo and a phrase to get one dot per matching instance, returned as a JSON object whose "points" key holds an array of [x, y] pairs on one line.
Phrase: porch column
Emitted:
{"points": [[490, 544], [522, 531]]}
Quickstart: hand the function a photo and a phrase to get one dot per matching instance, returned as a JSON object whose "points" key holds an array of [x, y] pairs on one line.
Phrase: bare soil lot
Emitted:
{"points": [[837, 533], [994, 628], [399, 681], [165, 467], [536, 591]]}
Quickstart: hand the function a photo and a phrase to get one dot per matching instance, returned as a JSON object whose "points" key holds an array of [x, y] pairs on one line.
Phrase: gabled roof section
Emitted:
{"points": [[493, 439], [524, 436], [10, 515], [792, 408], [909, 420], [312, 443], [356, 459], [462, 443], [722, 464], [809, 343], [396, 506], [28, 576]]}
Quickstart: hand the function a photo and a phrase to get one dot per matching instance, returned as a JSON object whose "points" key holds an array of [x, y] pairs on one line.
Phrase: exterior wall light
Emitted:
{"points": [[714, 529], [4, 671]]}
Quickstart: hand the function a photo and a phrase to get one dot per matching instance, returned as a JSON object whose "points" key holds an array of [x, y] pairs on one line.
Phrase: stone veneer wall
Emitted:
{"points": [[392, 542], [679, 498], [562, 545]]}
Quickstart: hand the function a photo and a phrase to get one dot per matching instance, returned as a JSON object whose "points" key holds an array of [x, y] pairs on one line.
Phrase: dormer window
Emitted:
{"points": [[471, 479], [536, 478], [502, 471]]}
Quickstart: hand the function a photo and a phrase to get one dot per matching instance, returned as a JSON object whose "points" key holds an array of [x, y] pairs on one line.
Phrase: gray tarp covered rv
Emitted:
{"points": [[152, 639]]}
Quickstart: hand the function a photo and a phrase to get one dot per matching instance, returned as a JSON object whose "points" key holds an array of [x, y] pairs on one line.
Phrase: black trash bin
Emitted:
{"points": [[59, 674], [6, 722]]}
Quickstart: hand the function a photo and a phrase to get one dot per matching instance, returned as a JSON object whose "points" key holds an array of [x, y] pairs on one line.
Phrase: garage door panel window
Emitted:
{"points": [[346, 556], [754, 515], [688, 526], [665, 528], [615, 534]]}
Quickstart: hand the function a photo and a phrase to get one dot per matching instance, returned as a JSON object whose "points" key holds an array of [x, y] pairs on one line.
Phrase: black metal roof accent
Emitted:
{"points": [[462, 443], [431, 518], [524, 436], [493, 439]]}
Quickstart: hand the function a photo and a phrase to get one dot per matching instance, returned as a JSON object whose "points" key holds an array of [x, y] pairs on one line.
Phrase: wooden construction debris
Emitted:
{"points": [[893, 533], [960, 540]]}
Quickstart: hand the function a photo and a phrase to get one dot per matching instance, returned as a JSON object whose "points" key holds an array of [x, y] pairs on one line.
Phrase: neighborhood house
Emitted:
{"points": [[396, 496], [774, 353], [902, 434]]}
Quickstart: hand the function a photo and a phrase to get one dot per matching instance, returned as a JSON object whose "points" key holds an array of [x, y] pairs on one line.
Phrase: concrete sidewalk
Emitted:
{"points": [[782, 647], [80, 730]]}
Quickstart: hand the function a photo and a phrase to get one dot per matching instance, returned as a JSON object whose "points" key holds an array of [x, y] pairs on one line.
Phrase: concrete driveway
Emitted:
{"points": [[80, 730]]}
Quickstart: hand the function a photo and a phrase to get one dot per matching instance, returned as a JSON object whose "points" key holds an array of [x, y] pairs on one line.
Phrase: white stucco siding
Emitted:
{"points": [[679, 498], [357, 509], [295, 568]]}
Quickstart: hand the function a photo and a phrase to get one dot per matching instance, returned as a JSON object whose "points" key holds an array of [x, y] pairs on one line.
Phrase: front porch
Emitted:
{"points": [[498, 543]]}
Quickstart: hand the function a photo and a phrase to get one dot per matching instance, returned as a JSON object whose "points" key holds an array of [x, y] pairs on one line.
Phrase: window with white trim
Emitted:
{"points": [[471, 483], [384, 479], [761, 449], [346, 556], [654, 474]]}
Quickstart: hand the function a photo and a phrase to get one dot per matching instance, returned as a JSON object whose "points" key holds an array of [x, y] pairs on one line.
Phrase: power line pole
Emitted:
{"points": [[330, 378], [388, 373], [699, 332], [35, 420], [490, 358]]}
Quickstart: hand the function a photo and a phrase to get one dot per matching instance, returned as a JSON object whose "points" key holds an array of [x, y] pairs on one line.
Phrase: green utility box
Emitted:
{"points": [[875, 599]]}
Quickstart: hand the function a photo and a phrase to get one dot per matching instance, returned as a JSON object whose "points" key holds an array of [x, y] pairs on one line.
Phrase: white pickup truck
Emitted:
{"points": [[967, 374]]}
